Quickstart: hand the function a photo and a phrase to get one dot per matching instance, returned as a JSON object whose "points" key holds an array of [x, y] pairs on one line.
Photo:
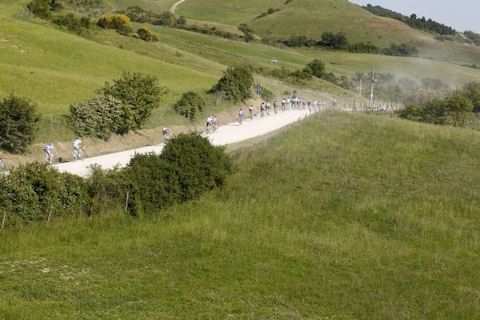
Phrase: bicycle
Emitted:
{"points": [[51, 160], [79, 154]]}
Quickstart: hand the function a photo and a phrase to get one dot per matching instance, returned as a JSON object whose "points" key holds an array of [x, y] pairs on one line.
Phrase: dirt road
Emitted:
{"points": [[226, 134], [175, 5]]}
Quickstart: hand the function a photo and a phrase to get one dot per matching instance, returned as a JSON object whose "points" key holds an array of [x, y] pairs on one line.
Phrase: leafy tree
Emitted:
{"points": [[141, 92], [472, 92], [236, 83], [100, 117], [189, 105], [316, 68], [198, 165], [18, 123], [334, 41]]}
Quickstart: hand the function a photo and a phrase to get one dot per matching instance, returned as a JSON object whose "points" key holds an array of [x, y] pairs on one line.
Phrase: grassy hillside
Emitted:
{"points": [[313, 17], [342, 217], [302, 17]]}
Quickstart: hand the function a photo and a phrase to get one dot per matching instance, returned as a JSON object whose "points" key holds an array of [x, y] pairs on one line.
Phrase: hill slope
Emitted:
{"points": [[313, 17], [344, 217]]}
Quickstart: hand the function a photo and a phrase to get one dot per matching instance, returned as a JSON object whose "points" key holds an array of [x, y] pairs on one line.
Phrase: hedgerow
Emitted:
{"points": [[189, 166]]}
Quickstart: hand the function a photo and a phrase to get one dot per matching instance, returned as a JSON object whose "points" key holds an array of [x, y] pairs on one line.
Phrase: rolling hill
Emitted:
{"points": [[345, 216]]}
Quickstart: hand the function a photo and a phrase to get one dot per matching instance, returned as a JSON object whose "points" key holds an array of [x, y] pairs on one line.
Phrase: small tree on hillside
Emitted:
{"points": [[100, 117], [18, 123], [316, 68], [236, 83], [140, 91], [146, 34], [190, 105]]}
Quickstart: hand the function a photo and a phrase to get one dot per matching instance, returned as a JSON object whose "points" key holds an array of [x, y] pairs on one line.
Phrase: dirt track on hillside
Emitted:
{"points": [[225, 134]]}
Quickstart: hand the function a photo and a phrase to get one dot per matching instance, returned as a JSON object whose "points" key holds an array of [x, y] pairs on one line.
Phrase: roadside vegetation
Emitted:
{"points": [[347, 216], [189, 166]]}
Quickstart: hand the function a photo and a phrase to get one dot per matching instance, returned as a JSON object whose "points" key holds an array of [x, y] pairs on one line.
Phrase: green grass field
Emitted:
{"points": [[345, 216]]}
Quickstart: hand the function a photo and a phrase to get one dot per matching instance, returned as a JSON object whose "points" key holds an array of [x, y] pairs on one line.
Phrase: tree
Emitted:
{"points": [[100, 117], [141, 92], [236, 83], [18, 123], [316, 68], [190, 105], [472, 92]]}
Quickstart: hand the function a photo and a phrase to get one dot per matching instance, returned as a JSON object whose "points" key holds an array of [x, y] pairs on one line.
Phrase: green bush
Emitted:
{"points": [[18, 123], [100, 117], [34, 192], [452, 110], [316, 68], [236, 83], [198, 165], [189, 105], [146, 34], [188, 166], [44, 8], [118, 21], [72, 22], [140, 92]]}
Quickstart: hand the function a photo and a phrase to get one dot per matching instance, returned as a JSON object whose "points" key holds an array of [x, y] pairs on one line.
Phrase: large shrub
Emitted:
{"points": [[453, 110], [236, 83], [141, 92], [198, 165], [146, 34], [188, 166], [189, 105], [100, 117], [316, 68], [35, 192], [114, 21], [18, 123], [44, 8]]}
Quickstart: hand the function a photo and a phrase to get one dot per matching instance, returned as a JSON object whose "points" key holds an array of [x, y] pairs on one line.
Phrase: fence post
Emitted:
{"points": [[49, 215], [4, 218]]}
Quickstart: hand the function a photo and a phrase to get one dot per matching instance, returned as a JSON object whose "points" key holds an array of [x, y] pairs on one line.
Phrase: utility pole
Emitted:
{"points": [[374, 79]]}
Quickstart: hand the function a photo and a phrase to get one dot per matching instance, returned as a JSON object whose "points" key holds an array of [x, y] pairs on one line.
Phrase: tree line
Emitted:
{"points": [[413, 21], [339, 41]]}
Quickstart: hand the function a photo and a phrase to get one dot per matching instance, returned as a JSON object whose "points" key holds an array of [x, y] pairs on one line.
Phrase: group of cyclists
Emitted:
{"points": [[51, 155], [265, 109], [285, 103], [212, 124]]}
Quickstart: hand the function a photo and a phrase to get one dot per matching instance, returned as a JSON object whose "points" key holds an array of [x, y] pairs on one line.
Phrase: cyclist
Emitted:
{"points": [[289, 103], [77, 149], [215, 122], [250, 111], [49, 151], [209, 124], [165, 131], [268, 108], [283, 104], [275, 106], [262, 109], [240, 115]]}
